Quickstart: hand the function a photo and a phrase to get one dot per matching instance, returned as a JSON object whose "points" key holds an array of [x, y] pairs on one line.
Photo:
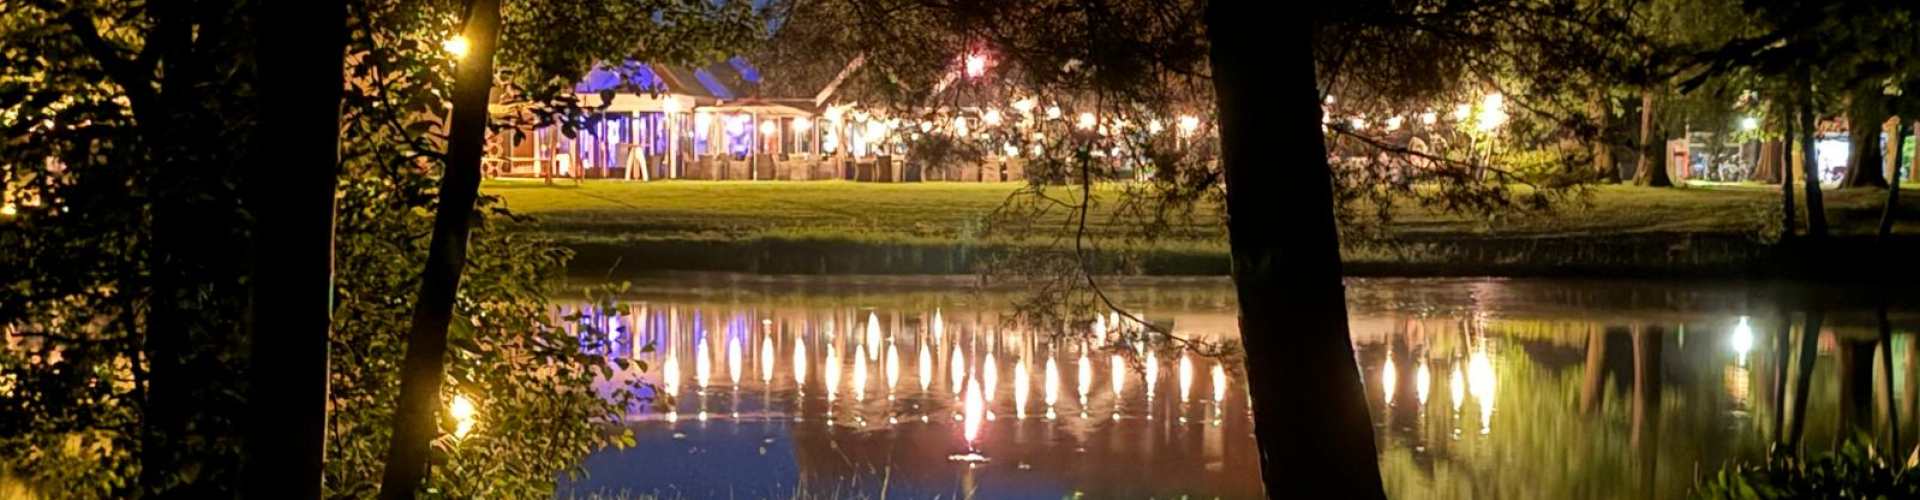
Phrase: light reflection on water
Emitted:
{"points": [[1508, 389]]}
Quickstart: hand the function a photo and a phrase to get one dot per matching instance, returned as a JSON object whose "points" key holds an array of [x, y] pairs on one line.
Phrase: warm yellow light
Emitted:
{"points": [[957, 368], [873, 335], [976, 409], [1024, 106], [893, 368], [926, 368], [1393, 123], [799, 365], [734, 362], [1022, 386], [960, 129], [1189, 124], [1085, 379], [456, 46], [833, 374], [991, 118], [860, 355], [1053, 112], [463, 414], [1219, 383], [1422, 381], [1186, 377], [976, 65], [990, 375], [802, 124], [702, 365], [1154, 126], [670, 105], [1052, 393], [9, 210], [1389, 377], [1087, 120], [1429, 118], [1153, 373], [766, 360], [1493, 112]]}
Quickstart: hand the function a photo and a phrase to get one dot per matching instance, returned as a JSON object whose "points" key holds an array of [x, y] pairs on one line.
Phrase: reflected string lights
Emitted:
{"points": [[774, 362]]}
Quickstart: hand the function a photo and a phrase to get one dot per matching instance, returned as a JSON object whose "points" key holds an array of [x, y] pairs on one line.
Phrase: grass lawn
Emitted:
{"points": [[613, 211]]}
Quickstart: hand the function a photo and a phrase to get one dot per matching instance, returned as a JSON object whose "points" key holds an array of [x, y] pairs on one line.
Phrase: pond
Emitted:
{"points": [[924, 387]]}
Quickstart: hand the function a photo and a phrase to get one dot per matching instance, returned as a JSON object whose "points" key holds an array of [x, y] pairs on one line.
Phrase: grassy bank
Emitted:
{"points": [[840, 227]]}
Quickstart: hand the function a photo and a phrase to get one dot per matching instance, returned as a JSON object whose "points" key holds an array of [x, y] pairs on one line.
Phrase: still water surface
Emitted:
{"points": [[925, 388]]}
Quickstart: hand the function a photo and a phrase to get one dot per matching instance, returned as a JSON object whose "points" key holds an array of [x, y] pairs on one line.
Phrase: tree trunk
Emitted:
{"points": [[1791, 224], [1855, 360], [1893, 192], [1816, 208], [1293, 314], [421, 373], [291, 194], [1604, 170], [1864, 118], [1803, 376], [1596, 376], [1764, 169], [1651, 169], [1894, 145]]}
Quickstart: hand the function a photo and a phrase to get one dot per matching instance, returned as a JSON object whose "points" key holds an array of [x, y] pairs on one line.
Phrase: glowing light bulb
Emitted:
{"points": [[1189, 124], [457, 46], [463, 414], [1087, 121], [1742, 340], [991, 118], [976, 65]]}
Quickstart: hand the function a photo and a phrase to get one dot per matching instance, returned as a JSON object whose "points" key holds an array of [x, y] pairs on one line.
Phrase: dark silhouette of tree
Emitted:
{"points": [[422, 372], [294, 168], [1288, 279]]}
